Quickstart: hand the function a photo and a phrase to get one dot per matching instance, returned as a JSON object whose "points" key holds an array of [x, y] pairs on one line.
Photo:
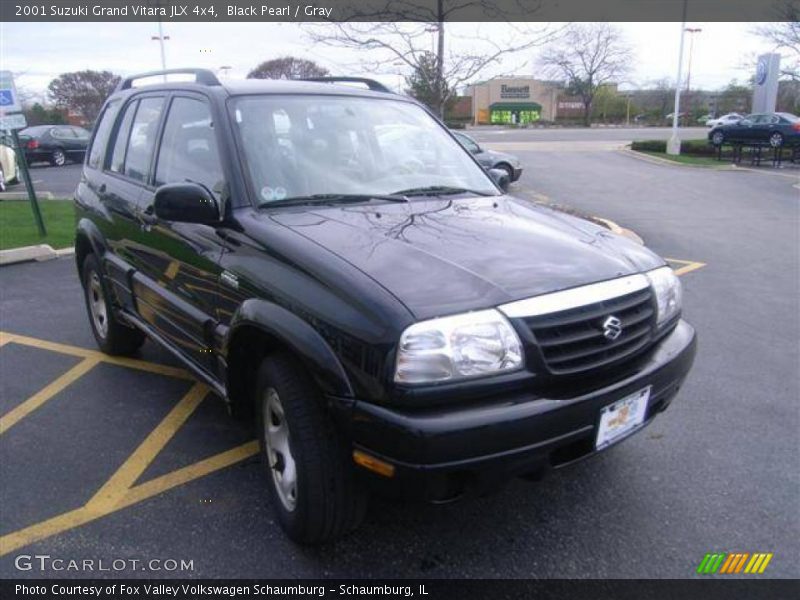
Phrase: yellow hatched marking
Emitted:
{"points": [[688, 265], [87, 513], [20, 411], [136, 464], [133, 363]]}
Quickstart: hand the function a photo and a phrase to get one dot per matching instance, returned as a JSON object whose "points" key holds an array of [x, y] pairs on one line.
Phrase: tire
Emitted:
{"points": [[718, 138], [2, 180], [296, 436], [111, 335], [509, 171], [58, 158], [776, 139]]}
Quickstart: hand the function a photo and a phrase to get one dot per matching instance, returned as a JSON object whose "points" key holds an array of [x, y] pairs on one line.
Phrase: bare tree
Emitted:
{"points": [[785, 35], [588, 56], [83, 92], [398, 32], [287, 67]]}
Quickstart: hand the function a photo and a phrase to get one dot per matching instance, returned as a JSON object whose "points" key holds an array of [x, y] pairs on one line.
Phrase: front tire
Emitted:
{"points": [[507, 168], [309, 471], [58, 158], [111, 335], [718, 138]]}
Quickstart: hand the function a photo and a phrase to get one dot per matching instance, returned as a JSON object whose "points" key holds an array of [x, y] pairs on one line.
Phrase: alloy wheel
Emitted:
{"points": [[279, 453], [97, 305]]}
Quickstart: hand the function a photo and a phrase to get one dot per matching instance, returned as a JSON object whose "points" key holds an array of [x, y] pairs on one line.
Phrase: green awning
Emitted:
{"points": [[516, 106]]}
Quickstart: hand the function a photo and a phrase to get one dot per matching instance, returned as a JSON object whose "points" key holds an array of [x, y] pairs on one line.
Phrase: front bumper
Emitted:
{"points": [[441, 454]]}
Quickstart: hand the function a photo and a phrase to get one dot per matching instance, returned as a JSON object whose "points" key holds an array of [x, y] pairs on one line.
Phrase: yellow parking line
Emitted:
{"points": [[688, 265], [20, 411], [189, 473], [121, 481], [133, 363], [90, 512]]}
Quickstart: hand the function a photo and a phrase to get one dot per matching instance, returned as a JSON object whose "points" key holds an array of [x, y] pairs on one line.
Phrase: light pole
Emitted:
{"points": [[224, 70], [161, 37], [674, 143], [691, 31]]}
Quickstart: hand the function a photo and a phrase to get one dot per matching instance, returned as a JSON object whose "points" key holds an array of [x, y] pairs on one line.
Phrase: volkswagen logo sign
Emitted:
{"points": [[612, 328], [762, 70]]}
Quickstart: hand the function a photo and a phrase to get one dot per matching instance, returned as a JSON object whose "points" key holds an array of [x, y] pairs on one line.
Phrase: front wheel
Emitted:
{"points": [[309, 470], [717, 138], [112, 336]]}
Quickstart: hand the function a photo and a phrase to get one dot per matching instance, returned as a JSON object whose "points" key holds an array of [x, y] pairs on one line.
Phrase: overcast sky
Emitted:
{"points": [[38, 52]]}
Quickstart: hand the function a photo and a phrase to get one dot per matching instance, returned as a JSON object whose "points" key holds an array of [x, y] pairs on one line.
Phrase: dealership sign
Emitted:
{"points": [[515, 91]]}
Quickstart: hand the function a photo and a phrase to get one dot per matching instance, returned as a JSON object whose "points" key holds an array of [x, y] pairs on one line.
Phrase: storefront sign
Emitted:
{"points": [[515, 91]]}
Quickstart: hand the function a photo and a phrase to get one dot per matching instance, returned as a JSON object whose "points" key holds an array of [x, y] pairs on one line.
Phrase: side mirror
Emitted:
{"points": [[185, 203], [501, 178]]}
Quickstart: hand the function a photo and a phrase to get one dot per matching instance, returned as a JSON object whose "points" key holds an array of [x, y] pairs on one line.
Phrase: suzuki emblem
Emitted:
{"points": [[612, 328]]}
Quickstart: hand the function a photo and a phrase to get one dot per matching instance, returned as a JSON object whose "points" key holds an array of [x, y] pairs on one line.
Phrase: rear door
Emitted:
{"points": [[180, 263]]}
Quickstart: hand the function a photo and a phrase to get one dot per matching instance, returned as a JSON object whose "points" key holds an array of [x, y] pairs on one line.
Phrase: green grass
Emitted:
{"points": [[688, 159], [18, 227]]}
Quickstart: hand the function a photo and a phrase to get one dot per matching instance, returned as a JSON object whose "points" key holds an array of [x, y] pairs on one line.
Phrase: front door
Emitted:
{"points": [[180, 264]]}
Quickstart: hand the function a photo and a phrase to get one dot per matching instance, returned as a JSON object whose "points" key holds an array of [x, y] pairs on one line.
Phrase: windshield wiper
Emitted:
{"points": [[331, 199], [440, 190]]}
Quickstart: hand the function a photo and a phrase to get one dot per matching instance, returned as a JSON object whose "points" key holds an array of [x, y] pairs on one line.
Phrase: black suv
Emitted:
{"points": [[332, 262]]}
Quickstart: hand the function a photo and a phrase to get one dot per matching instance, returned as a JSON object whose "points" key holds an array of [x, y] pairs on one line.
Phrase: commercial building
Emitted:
{"points": [[514, 100]]}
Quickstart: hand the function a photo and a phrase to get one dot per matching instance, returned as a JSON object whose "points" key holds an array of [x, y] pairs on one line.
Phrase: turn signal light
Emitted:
{"points": [[375, 465]]}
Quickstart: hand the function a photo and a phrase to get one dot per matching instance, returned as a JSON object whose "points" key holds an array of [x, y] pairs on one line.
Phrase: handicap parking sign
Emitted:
{"points": [[6, 98]]}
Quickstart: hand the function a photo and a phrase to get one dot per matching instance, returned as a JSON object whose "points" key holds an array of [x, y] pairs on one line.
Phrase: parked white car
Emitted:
{"points": [[724, 120]]}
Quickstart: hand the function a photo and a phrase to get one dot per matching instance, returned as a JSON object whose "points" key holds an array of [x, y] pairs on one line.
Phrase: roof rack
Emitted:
{"points": [[373, 85], [202, 76]]}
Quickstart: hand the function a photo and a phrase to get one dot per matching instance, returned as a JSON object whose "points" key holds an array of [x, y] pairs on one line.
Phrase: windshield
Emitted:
{"points": [[305, 146]]}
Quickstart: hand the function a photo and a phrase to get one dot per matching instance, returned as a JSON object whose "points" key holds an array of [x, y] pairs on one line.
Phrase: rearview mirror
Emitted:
{"points": [[501, 178], [186, 203]]}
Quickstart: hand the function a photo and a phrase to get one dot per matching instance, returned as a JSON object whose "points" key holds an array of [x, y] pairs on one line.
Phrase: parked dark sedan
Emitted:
{"points": [[491, 159], [775, 129], [55, 144]]}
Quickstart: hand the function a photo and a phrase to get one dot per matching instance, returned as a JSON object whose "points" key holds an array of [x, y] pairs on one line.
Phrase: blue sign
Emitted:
{"points": [[7, 98]]}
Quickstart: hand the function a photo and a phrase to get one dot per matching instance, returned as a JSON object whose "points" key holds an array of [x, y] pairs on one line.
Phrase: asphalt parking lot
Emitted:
{"points": [[55, 182], [109, 459]]}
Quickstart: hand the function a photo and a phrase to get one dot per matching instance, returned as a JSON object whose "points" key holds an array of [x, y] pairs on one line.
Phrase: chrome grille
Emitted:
{"points": [[572, 340]]}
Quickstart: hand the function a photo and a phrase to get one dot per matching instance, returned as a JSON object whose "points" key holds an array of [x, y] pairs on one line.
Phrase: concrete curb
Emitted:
{"points": [[24, 195], [619, 230], [656, 160], [39, 253]]}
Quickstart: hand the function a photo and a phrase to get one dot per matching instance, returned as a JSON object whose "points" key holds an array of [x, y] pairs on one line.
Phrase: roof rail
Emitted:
{"points": [[373, 85], [202, 76]]}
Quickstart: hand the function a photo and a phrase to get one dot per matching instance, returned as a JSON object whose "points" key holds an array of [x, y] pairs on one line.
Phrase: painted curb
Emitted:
{"points": [[24, 195], [657, 160], [38, 253]]}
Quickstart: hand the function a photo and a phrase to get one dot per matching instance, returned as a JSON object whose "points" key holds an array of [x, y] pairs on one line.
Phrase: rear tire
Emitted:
{"points": [[111, 335], [776, 140], [58, 158], [507, 168], [309, 470]]}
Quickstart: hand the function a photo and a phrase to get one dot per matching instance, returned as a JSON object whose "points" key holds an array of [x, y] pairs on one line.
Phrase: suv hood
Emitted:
{"points": [[445, 255]]}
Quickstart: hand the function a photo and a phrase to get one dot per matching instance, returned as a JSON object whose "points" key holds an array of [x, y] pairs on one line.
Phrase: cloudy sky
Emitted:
{"points": [[38, 52]]}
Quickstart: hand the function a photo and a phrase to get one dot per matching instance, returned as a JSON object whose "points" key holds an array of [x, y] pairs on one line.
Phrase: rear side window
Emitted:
{"points": [[101, 134], [121, 142], [63, 133], [188, 148], [142, 141]]}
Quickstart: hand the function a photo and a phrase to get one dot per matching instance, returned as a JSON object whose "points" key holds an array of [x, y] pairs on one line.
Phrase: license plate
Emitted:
{"points": [[620, 418]]}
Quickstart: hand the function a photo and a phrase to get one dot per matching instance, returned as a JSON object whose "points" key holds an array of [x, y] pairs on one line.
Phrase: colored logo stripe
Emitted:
{"points": [[734, 562]]}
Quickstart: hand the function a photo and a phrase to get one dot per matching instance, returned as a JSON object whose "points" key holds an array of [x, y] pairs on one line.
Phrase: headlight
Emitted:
{"points": [[669, 293], [457, 347]]}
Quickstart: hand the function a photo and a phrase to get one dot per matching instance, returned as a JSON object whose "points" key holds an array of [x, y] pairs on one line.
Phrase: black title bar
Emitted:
{"points": [[392, 10]]}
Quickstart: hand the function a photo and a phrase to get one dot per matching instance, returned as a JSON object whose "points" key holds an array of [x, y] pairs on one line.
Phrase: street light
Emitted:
{"points": [[224, 70], [674, 143], [161, 37], [691, 31]]}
